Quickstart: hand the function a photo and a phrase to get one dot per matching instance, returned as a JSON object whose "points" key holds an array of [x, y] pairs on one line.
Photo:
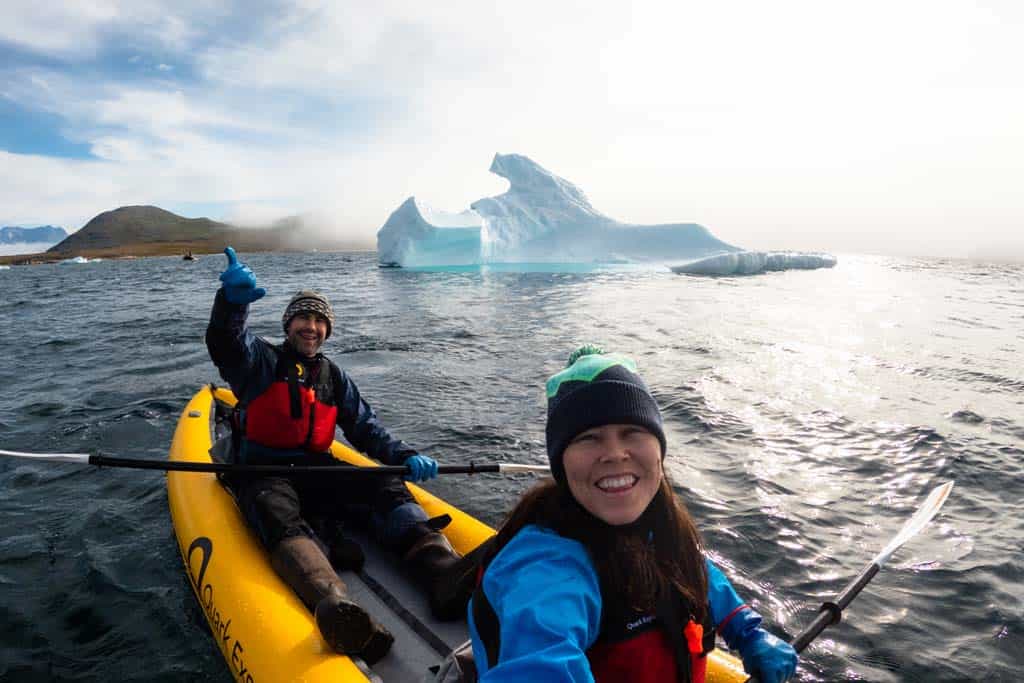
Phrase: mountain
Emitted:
{"points": [[137, 225], [152, 231], [47, 234]]}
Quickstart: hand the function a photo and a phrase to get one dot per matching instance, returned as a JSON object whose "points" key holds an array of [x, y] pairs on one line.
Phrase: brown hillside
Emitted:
{"points": [[132, 225]]}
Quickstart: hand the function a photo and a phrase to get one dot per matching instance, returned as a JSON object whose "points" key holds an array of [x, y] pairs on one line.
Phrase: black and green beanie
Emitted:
{"points": [[596, 388]]}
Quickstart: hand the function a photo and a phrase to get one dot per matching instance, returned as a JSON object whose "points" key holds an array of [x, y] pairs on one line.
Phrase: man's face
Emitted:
{"points": [[306, 333]]}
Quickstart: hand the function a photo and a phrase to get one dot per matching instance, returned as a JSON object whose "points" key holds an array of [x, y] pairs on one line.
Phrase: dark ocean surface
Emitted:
{"points": [[807, 414]]}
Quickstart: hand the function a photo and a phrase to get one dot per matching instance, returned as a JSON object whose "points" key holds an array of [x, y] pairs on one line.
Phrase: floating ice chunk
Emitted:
{"points": [[417, 235], [77, 260], [753, 262]]}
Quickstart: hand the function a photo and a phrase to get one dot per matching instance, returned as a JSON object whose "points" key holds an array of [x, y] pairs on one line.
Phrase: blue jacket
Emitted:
{"points": [[546, 594], [247, 363]]}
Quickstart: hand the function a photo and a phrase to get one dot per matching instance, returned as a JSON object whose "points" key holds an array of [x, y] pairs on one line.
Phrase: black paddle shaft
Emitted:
{"points": [[831, 612], [240, 468]]}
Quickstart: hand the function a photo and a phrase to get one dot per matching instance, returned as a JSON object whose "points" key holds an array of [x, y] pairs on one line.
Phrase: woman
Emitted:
{"points": [[600, 574]]}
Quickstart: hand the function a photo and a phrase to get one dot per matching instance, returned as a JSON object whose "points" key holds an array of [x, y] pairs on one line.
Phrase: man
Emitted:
{"points": [[290, 399]]}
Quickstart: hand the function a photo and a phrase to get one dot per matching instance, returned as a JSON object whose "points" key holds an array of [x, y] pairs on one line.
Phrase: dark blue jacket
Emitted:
{"points": [[247, 363]]}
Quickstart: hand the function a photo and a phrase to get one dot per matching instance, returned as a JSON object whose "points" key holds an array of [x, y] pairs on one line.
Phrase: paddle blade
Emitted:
{"points": [[924, 514], [515, 468], [81, 458]]}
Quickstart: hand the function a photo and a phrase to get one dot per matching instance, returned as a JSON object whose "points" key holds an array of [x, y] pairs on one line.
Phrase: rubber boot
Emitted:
{"points": [[347, 627], [448, 577]]}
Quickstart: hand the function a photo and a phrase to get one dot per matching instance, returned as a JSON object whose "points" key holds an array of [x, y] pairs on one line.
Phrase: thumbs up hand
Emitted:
{"points": [[239, 281]]}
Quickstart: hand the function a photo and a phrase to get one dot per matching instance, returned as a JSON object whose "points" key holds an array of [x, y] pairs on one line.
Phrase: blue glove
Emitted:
{"points": [[239, 281], [770, 659], [421, 468]]}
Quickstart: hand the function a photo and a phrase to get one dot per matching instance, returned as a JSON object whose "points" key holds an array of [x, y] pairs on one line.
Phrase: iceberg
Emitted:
{"points": [[545, 219], [754, 262], [542, 218]]}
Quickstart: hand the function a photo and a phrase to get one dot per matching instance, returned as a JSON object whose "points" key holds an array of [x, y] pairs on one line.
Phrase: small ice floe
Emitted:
{"points": [[77, 260], [754, 262], [967, 416]]}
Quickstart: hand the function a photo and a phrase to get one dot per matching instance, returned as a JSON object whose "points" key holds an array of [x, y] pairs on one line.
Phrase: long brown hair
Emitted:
{"points": [[660, 554]]}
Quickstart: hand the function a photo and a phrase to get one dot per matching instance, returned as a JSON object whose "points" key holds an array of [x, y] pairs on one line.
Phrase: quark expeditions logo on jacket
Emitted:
{"points": [[642, 621], [220, 625]]}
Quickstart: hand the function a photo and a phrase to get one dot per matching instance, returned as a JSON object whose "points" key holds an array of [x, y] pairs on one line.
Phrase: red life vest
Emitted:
{"points": [[651, 651], [297, 410], [630, 647]]}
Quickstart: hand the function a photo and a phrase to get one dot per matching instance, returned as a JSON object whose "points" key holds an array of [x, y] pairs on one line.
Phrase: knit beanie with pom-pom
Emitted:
{"points": [[596, 388]]}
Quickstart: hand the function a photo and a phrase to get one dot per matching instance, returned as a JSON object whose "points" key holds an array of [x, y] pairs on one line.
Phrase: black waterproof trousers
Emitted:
{"points": [[278, 507]]}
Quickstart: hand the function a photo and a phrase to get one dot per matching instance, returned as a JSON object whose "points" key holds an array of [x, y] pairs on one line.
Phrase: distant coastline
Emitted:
{"points": [[142, 231], [130, 251], [134, 251]]}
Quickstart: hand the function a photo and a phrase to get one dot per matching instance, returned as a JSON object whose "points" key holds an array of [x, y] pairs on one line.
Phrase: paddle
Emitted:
{"points": [[182, 466], [831, 612]]}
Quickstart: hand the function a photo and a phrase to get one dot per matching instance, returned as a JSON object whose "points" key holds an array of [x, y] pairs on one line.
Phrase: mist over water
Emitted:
{"points": [[807, 414], [16, 248]]}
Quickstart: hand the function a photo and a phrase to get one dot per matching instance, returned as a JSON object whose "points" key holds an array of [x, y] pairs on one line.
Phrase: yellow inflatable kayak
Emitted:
{"points": [[262, 629]]}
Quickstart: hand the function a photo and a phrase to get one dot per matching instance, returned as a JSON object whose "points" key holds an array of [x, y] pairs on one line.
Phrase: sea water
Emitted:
{"points": [[807, 414]]}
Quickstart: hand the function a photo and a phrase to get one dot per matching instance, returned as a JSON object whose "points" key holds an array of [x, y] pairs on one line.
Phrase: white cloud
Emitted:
{"points": [[55, 27], [75, 29]]}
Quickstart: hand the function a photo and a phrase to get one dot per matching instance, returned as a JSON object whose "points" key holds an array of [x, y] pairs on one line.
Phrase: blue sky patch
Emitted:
{"points": [[23, 131]]}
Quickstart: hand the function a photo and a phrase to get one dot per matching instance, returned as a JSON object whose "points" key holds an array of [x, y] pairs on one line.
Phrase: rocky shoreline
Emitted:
{"points": [[126, 252]]}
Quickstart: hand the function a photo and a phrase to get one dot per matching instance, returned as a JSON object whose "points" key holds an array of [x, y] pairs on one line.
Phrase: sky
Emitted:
{"points": [[891, 127]]}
